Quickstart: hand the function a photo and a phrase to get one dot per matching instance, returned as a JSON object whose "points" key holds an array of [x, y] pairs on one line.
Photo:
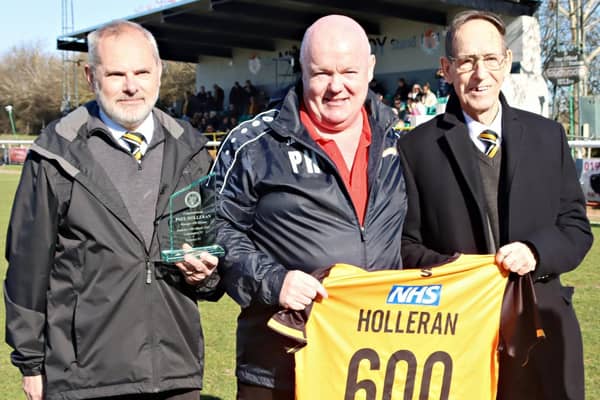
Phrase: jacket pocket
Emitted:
{"points": [[75, 338]]}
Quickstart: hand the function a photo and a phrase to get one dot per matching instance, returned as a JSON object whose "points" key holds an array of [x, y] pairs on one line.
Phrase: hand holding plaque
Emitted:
{"points": [[192, 213]]}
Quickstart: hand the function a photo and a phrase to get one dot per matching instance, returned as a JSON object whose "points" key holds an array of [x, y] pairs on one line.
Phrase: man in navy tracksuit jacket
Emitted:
{"points": [[311, 184]]}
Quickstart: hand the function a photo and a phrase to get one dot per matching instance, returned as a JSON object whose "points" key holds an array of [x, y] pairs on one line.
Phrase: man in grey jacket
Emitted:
{"points": [[313, 183], [91, 311]]}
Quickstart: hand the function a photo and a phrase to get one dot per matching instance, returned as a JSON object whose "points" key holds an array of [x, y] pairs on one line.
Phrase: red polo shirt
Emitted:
{"points": [[356, 179]]}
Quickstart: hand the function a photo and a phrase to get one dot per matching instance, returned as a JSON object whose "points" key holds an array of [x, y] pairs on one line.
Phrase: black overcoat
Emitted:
{"points": [[540, 203]]}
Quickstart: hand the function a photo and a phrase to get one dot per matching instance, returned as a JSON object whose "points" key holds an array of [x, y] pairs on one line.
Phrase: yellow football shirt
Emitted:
{"points": [[403, 334]]}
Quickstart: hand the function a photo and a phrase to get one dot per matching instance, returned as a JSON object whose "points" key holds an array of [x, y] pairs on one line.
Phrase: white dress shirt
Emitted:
{"points": [[117, 131], [475, 128]]}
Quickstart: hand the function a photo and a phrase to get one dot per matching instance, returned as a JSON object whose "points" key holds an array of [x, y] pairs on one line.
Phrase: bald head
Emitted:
{"points": [[334, 28], [337, 66]]}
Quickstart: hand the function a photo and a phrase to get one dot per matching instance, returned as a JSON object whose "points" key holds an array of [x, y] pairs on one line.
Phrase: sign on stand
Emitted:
{"points": [[590, 178], [566, 68]]}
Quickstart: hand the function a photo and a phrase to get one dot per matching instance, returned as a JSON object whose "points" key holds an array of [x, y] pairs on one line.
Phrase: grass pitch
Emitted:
{"points": [[219, 320]]}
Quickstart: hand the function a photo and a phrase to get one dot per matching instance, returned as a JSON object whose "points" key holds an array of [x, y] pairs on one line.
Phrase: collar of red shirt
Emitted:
{"points": [[310, 126], [356, 180]]}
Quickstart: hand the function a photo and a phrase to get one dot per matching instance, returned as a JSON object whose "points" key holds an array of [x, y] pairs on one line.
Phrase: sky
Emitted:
{"points": [[28, 22]]}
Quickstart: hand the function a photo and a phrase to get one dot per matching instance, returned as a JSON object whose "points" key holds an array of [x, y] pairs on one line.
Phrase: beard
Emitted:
{"points": [[126, 116]]}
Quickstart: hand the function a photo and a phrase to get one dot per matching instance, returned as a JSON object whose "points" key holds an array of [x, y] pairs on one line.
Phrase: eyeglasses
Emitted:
{"points": [[492, 62]]}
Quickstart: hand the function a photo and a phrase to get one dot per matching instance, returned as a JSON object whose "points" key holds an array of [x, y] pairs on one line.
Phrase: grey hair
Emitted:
{"points": [[463, 17], [116, 28]]}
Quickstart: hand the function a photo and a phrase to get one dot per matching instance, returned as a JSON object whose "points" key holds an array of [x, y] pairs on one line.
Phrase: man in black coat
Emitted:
{"points": [[488, 178]]}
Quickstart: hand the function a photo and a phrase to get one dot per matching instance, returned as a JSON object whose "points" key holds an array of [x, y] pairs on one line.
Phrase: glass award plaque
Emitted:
{"points": [[192, 213]]}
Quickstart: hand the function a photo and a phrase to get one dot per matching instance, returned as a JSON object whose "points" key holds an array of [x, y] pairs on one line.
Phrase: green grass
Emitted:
{"points": [[219, 321], [586, 280], [15, 169]]}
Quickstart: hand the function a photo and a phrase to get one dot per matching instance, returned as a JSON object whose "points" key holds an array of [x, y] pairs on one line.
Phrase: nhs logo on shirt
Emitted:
{"points": [[427, 295]]}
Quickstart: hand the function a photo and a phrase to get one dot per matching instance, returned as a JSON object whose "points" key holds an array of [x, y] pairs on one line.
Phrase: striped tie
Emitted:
{"points": [[134, 141], [490, 141]]}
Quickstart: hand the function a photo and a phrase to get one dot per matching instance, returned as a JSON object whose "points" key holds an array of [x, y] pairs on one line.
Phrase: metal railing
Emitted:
{"points": [[7, 155]]}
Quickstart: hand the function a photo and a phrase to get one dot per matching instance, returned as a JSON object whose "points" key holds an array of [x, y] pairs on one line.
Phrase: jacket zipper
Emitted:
{"points": [[148, 271], [320, 152], [150, 318], [346, 191]]}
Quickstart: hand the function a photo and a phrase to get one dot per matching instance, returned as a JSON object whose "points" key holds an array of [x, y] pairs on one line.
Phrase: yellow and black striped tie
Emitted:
{"points": [[490, 141], [134, 141]]}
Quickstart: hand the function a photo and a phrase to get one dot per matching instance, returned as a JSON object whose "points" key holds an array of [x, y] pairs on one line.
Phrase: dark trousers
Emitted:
{"points": [[184, 394], [252, 392]]}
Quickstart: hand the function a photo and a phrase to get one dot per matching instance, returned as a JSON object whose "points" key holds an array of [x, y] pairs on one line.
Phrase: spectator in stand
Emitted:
{"points": [[252, 107], [261, 101], [443, 85], [409, 108], [429, 99], [416, 91], [219, 96], [416, 106], [203, 124], [231, 111], [201, 95], [225, 124], [210, 102], [251, 90], [402, 90], [236, 96], [249, 98], [377, 88], [196, 121], [191, 105], [213, 118], [399, 106], [233, 121]]}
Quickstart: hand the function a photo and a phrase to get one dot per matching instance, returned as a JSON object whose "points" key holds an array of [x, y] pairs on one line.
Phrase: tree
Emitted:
{"points": [[178, 77], [30, 81], [572, 25]]}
